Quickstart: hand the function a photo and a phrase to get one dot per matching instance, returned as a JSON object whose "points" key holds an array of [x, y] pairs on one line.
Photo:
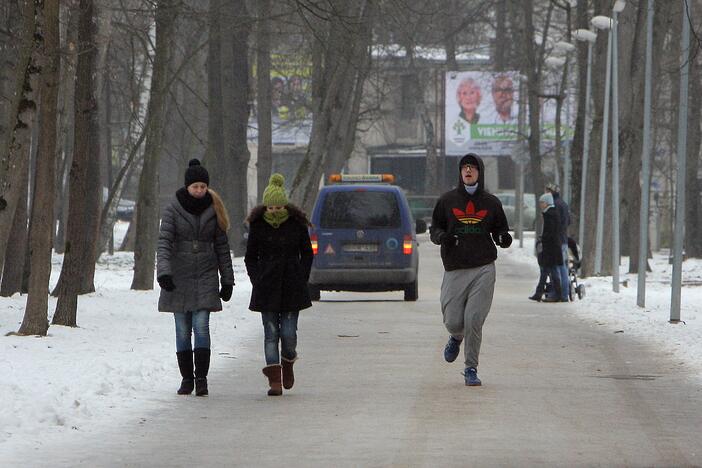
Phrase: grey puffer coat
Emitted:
{"points": [[192, 249]]}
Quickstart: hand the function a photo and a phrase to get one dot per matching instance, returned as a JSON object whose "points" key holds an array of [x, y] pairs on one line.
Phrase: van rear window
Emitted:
{"points": [[360, 210]]}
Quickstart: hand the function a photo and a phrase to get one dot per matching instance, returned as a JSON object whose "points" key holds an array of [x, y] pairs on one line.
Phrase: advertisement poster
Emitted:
{"points": [[481, 112]]}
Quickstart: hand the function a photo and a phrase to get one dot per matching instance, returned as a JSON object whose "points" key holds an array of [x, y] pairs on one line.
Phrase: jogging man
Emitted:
{"points": [[467, 222]]}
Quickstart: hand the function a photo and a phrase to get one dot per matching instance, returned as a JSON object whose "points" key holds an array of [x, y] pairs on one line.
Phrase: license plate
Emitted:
{"points": [[360, 247]]}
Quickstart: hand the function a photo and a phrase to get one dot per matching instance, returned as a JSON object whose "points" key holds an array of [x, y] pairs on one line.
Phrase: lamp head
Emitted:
{"points": [[585, 35], [619, 6], [601, 22]]}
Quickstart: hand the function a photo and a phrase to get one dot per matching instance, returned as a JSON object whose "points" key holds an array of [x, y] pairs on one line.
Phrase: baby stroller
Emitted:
{"points": [[573, 268], [574, 289]]}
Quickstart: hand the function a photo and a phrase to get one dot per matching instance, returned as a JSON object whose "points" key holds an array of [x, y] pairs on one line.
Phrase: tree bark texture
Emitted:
{"points": [[42, 219], [592, 190], [16, 244], [147, 215], [228, 174], [78, 227], [578, 143], [633, 41], [342, 41], [693, 212], [264, 159], [532, 62], [15, 129]]}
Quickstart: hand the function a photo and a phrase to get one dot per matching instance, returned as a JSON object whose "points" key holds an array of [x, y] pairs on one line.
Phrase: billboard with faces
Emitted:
{"points": [[481, 110]]}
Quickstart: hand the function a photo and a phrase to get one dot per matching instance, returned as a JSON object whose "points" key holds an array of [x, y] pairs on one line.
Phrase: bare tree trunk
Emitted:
{"points": [[16, 244], [592, 190], [533, 64], [502, 40], [578, 144], [341, 38], [264, 159], [231, 165], [77, 232], [40, 238], [66, 125], [147, 215], [15, 130], [693, 213], [342, 136]]}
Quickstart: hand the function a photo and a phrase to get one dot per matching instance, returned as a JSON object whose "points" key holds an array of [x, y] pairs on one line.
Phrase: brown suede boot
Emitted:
{"points": [[288, 375], [274, 379]]}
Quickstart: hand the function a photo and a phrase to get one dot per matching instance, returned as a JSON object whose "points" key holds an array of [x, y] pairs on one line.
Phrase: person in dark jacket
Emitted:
{"points": [[563, 223], [278, 260], [548, 250], [467, 222], [193, 252]]}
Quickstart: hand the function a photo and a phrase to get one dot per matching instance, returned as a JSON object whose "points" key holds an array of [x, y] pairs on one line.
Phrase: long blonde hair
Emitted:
{"points": [[220, 210]]}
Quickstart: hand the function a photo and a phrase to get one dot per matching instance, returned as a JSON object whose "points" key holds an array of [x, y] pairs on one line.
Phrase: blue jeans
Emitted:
{"points": [[549, 272], [563, 272], [197, 323], [279, 326]]}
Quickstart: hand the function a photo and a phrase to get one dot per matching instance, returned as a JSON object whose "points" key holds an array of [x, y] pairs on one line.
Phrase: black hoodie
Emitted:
{"points": [[465, 225]]}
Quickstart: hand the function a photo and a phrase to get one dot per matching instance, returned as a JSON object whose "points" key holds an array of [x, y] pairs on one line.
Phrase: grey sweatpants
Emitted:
{"points": [[466, 297]]}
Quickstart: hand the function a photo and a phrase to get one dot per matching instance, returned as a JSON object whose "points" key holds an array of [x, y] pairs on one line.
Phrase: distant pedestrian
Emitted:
{"points": [[193, 253], [563, 223], [548, 250], [467, 222], [278, 260]]}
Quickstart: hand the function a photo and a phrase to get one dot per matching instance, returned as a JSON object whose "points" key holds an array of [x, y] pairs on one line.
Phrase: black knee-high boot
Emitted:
{"points": [[202, 366], [185, 364]]}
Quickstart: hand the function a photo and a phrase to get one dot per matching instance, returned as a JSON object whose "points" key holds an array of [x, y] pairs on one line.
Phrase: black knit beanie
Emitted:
{"points": [[196, 173]]}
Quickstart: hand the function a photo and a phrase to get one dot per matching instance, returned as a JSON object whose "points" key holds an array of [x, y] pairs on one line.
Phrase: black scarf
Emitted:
{"points": [[192, 205]]}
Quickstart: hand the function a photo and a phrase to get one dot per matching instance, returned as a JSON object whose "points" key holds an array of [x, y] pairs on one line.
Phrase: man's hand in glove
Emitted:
{"points": [[504, 239], [166, 282], [226, 292]]}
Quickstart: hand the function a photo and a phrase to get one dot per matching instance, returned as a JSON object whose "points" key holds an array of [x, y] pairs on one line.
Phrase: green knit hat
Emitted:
{"points": [[275, 195]]}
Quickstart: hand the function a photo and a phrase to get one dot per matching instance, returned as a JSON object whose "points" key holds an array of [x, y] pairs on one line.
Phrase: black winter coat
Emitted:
{"points": [[194, 266], [278, 261], [551, 253]]}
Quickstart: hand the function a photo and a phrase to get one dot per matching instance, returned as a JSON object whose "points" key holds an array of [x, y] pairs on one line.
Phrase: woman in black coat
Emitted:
{"points": [[193, 252], [278, 260], [548, 249]]}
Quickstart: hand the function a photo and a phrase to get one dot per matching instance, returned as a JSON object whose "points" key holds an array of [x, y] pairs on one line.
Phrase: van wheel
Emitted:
{"points": [[412, 291], [314, 291]]}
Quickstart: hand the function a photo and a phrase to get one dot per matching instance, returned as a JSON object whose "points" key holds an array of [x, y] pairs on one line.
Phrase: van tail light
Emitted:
{"points": [[407, 245], [315, 244]]}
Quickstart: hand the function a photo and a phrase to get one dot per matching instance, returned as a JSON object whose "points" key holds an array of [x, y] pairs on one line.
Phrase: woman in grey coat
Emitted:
{"points": [[193, 252]]}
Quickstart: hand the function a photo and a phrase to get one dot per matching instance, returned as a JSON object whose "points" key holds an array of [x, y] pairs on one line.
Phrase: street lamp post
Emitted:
{"points": [[676, 282], [645, 163], [616, 257], [603, 22], [564, 48], [590, 37]]}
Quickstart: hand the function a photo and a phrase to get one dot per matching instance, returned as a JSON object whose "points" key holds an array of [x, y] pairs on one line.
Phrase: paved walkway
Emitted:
{"points": [[373, 390]]}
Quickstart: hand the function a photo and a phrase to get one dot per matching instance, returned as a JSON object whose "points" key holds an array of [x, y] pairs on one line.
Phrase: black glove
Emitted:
{"points": [[504, 240], [226, 292], [166, 282]]}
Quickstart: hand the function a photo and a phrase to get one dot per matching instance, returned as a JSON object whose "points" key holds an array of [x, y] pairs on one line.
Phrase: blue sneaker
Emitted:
{"points": [[453, 347], [471, 375]]}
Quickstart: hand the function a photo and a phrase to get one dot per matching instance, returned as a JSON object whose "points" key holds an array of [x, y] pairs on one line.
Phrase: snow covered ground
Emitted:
{"points": [[618, 312], [122, 356]]}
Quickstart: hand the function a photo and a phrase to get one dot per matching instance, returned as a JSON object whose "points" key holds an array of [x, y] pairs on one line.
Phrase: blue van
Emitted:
{"points": [[364, 237]]}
